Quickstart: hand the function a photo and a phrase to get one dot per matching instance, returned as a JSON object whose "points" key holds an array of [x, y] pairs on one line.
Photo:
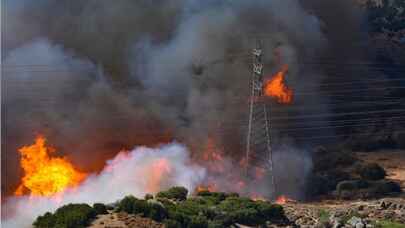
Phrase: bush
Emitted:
{"points": [[371, 172], [216, 196], [132, 205], [45, 221], [388, 224], [175, 193], [127, 204], [148, 196], [249, 212], [152, 209], [385, 187], [213, 210], [171, 223], [100, 209], [157, 212], [270, 211], [198, 222], [68, 216], [351, 185]]}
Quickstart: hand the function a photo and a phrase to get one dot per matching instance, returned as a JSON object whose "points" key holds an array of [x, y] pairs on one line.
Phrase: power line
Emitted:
{"points": [[339, 136]]}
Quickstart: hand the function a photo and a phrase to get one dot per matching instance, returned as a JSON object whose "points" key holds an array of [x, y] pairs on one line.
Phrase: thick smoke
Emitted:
{"points": [[138, 172], [98, 76], [67, 99]]}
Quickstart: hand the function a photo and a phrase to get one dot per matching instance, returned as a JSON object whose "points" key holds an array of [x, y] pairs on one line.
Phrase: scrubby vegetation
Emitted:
{"points": [[68, 216], [337, 172], [100, 208], [389, 16], [207, 209], [371, 171], [174, 209], [175, 193], [388, 224]]}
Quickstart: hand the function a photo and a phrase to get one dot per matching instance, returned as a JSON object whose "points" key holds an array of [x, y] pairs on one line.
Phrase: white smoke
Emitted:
{"points": [[140, 171]]}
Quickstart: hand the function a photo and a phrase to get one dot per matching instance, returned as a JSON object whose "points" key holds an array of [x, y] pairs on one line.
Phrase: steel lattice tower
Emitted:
{"points": [[258, 145]]}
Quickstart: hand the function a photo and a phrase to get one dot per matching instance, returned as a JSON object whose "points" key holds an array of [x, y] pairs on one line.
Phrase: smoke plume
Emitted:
{"points": [[99, 76]]}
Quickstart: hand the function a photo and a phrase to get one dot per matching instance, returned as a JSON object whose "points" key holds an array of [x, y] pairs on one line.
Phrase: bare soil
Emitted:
{"points": [[124, 220]]}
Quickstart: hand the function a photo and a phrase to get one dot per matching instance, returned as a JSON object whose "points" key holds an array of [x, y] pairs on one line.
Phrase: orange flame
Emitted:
{"points": [[284, 199], [158, 172], [281, 200], [213, 155], [209, 188], [43, 175], [275, 87]]}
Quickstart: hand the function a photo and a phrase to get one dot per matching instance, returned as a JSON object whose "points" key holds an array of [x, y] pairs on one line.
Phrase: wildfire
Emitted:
{"points": [[159, 170], [213, 155], [284, 199], [275, 87], [44, 175], [209, 188]]}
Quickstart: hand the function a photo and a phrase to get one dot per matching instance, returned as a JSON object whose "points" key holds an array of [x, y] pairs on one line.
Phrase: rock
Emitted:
{"points": [[383, 205], [356, 222], [336, 223]]}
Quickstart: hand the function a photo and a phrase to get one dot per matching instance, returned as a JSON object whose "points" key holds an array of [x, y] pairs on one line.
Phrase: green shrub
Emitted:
{"points": [[323, 216], [270, 211], [100, 209], [152, 209], [132, 205], [148, 196], [216, 224], [157, 212], [198, 222], [351, 185], [248, 212], [216, 197], [127, 204], [68, 216], [385, 187], [207, 210], [371, 172], [141, 207], [388, 224], [171, 223], [45, 221], [175, 193]]}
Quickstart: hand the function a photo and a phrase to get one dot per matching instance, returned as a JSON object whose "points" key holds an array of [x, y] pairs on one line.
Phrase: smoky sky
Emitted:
{"points": [[99, 76]]}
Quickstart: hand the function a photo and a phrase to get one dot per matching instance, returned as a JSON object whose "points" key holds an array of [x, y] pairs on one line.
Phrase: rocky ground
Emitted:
{"points": [[123, 220], [346, 213], [357, 213]]}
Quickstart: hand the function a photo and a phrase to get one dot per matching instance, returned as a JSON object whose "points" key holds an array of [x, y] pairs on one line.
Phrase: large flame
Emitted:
{"points": [[159, 170], [44, 175], [275, 87]]}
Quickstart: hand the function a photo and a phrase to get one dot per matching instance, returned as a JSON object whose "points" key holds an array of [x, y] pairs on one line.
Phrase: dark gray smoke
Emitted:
{"points": [[98, 76]]}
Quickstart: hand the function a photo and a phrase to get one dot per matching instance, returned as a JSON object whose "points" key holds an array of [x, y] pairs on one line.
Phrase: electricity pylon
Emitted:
{"points": [[258, 145]]}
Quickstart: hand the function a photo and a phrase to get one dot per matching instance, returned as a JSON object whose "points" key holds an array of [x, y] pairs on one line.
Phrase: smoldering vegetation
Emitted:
{"points": [[99, 76]]}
